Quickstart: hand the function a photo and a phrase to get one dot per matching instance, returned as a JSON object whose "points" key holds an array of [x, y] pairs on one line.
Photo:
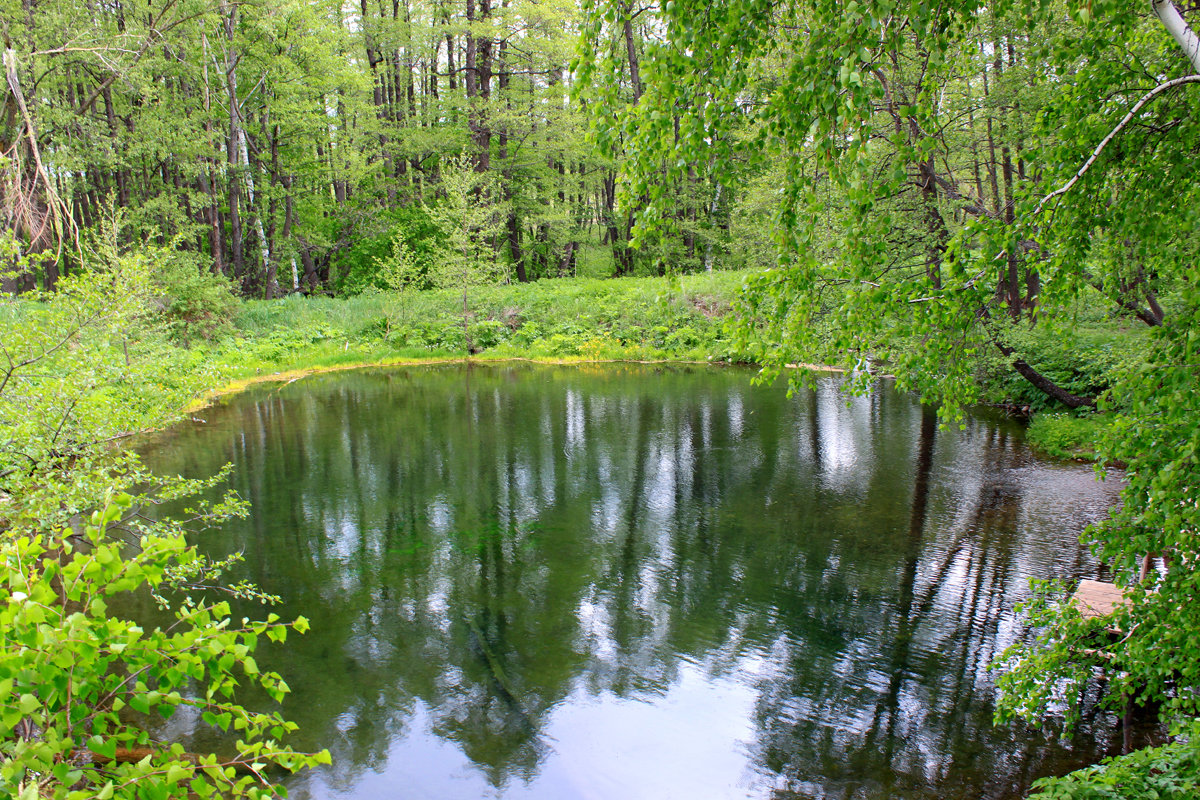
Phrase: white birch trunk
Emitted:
{"points": [[712, 213], [263, 244], [1175, 24]]}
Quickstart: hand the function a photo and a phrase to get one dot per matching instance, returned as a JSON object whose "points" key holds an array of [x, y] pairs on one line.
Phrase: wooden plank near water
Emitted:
{"points": [[1097, 598]]}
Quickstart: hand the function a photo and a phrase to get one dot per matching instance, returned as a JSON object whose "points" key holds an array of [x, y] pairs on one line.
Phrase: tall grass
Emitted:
{"points": [[581, 318]]}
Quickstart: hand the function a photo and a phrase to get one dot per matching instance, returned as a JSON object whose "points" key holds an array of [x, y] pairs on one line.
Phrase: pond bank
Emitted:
{"points": [[241, 384]]}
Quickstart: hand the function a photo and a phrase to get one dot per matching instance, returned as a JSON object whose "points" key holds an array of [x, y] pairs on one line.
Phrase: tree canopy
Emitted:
{"points": [[947, 184], [282, 143], [951, 177]]}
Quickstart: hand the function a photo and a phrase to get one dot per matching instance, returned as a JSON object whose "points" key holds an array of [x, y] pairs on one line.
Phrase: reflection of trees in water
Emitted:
{"points": [[910, 714], [485, 547]]}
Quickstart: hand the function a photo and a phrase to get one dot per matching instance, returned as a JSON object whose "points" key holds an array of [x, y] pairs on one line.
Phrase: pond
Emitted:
{"points": [[641, 582]]}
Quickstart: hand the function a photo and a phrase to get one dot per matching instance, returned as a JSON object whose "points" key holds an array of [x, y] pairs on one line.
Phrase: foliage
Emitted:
{"points": [[195, 302], [1064, 435], [281, 344], [958, 177], [285, 142], [72, 670], [1156, 660], [1170, 772], [374, 262], [1081, 353], [628, 318], [82, 369], [1159, 440], [1072, 647], [463, 222]]}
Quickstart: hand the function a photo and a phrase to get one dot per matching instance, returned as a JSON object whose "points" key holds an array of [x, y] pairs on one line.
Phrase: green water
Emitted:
{"points": [[641, 582]]}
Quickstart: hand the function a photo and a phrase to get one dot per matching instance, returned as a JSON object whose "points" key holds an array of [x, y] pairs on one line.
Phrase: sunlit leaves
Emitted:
{"points": [[80, 538], [859, 103]]}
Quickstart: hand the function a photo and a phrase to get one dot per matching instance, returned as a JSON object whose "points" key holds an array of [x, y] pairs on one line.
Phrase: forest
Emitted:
{"points": [[307, 146], [990, 203]]}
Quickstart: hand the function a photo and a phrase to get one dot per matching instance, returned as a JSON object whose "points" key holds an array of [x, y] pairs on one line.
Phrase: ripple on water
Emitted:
{"points": [[530, 582]]}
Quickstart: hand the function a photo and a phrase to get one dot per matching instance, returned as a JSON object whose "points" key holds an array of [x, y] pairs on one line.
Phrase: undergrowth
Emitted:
{"points": [[1064, 435], [1170, 772], [578, 319], [1084, 361]]}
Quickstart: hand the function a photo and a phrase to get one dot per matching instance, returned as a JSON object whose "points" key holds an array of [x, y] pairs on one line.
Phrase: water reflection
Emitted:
{"points": [[641, 582]]}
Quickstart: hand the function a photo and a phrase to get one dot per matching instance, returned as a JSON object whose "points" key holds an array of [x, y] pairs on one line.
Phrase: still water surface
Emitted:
{"points": [[641, 582]]}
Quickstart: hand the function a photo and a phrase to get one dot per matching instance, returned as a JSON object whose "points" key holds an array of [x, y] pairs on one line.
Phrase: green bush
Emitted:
{"points": [[1170, 772], [91, 360], [486, 334], [194, 303], [365, 265], [1066, 435]]}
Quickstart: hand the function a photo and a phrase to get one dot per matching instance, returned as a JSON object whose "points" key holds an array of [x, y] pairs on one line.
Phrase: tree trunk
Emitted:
{"points": [[513, 224], [207, 177], [567, 262], [233, 144], [635, 73], [479, 86], [712, 216], [271, 288], [1037, 379], [289, 217]]}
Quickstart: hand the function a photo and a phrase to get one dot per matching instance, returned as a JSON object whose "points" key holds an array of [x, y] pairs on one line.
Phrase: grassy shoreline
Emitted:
{"points": [[1072, 438], [1052, 434], [577, 321], [582, 321]]}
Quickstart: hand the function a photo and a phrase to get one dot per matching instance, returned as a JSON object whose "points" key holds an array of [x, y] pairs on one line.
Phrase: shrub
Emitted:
{"points": [[194, 302], [1170, 772], [70, 666], [77, 543], [486, 334]]}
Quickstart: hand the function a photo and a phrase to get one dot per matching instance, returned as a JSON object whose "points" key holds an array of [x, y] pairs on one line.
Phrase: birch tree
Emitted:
{"points": [[1081, 185]]}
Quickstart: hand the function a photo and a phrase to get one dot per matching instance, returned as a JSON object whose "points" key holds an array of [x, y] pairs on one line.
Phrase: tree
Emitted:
{"points": [[209, 124], [465, 222], [894, 123], [80, 542]]}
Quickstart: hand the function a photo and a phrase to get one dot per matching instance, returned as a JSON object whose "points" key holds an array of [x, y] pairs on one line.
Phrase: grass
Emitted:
{"points": [[1064, 435], [564, 320]]}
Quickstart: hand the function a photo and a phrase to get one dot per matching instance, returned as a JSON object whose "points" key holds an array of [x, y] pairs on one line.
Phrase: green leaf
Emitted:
{"points": [[105, 748]]}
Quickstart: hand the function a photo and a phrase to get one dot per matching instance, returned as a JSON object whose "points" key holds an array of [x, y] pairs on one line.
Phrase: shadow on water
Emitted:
{"points": [[642, 582]]}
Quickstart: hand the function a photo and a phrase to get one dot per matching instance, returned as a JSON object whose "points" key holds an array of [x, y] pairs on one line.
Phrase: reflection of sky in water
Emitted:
{"points": [[648, 583], [843, 438], [602, 746]]}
